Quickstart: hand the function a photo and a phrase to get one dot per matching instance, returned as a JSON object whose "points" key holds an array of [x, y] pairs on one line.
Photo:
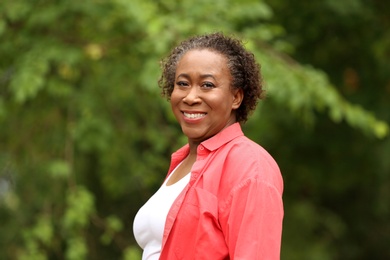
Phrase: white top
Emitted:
{"points": [[148, 226]]}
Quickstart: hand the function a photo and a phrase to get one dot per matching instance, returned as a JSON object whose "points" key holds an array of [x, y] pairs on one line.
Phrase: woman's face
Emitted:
{"points": [[202, 99]]}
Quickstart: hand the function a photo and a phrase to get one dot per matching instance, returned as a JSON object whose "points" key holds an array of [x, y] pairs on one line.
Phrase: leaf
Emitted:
{"points": [[80, 207], [59, 169], [28, 79]]}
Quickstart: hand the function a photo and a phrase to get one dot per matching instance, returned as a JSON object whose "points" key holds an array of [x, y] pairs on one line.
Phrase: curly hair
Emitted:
{"points": [[243, 68]]}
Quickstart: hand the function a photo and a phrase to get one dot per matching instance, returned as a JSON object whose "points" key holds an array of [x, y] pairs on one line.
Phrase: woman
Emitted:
{"points": [[222, 197]]}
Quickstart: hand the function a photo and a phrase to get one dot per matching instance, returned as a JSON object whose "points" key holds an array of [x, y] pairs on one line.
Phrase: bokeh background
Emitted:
{"points": [[86, 138]]}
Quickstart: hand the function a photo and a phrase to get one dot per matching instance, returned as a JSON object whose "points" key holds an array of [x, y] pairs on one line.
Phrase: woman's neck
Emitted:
{"points": [[193, 149]]}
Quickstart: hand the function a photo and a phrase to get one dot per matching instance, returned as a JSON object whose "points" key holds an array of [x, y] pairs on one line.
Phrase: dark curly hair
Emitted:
{"points": [[241, 63]]}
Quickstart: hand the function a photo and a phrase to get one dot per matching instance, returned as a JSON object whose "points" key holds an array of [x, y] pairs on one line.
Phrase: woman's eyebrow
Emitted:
{"points": [[184, 75], [207, 76], [203, 76]]}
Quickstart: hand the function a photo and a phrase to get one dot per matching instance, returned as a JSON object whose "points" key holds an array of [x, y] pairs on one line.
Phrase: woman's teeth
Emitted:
{"points": [[197, 115]]}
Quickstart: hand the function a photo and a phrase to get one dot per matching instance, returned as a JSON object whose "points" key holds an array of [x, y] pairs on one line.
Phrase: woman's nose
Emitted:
{"points": [[192, 96]]}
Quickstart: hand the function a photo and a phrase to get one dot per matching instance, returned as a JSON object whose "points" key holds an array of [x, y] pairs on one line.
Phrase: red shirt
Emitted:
{"points": [[232, 207]]}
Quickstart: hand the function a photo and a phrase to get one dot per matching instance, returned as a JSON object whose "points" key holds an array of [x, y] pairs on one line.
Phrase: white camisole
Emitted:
{"points": [[148, 226]]}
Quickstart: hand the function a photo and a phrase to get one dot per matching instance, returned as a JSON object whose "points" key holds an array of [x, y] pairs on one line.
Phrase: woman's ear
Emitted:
{"points": [[238, 96]]}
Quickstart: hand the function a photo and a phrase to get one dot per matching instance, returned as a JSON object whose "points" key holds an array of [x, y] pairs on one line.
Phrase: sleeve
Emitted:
{"points": [[252, 220]]}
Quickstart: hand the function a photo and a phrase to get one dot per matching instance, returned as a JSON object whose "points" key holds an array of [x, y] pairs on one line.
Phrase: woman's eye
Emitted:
{"points": [[182, 84], [208, 85]]}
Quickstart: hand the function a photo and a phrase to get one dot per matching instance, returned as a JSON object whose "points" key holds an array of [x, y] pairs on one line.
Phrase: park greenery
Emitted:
{"points": [[86, 138]]}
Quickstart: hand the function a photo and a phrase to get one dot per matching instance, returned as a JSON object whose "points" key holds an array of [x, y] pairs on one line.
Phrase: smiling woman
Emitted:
{"points": [[222, 197], [202, 99]]}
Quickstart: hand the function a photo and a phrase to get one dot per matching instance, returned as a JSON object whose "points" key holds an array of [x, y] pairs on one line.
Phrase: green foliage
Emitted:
{"points": [[132, 253], [307, 90], [331, 169], [79, 207], [85, 137]]}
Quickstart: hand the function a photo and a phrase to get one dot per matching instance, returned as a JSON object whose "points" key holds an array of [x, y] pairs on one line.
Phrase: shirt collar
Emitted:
{"points": [[211, 144], [223, 137]]}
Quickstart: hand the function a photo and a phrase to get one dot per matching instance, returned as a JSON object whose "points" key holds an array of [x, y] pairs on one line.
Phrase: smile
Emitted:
{"points": [[195, 115]]}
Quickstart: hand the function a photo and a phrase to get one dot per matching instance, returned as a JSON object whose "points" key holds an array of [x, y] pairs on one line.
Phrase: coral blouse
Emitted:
{"points": [[232, 207]]}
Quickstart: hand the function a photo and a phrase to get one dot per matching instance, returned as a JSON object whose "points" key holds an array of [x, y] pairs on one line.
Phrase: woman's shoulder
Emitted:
{"points": [[246, 159], [245, 148]]}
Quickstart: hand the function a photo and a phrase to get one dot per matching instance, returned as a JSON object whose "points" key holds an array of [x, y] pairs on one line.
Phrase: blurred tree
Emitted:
{"points": [[85, 137], [337, 180]]}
